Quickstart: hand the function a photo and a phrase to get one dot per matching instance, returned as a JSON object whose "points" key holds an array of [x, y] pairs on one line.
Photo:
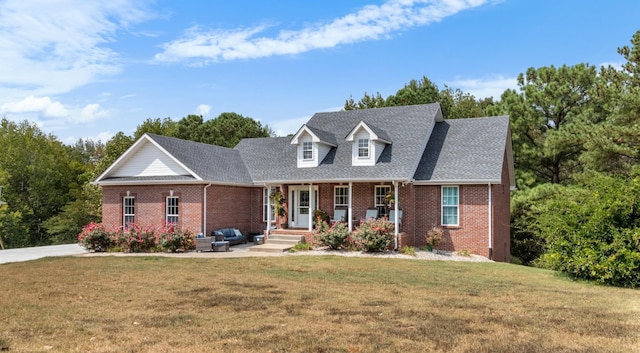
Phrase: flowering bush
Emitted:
{"points": [[173, 239], [434, 238], [94, 237], [336, 237], [374, 235], [139, 239]]}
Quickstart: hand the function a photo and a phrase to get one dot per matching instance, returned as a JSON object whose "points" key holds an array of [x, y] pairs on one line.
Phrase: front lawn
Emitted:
{"points": [[306, 304]]}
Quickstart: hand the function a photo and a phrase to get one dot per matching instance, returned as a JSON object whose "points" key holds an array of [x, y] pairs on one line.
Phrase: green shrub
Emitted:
{"points": [[174, 239], [140, 239], [434, 237], [301, 247], [408, 250], [94, 237], [335, 237], [374, 235]]}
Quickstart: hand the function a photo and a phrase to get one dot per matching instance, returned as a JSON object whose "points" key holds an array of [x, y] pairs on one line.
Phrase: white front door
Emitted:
{"points": [[300, 203]]}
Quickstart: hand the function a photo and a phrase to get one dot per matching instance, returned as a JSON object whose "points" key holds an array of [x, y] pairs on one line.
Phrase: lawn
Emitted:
{"points": [[306, 304]]}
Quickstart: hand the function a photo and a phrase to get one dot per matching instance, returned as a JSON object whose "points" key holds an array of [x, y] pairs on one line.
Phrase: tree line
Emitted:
{"points": [[576, 143]]}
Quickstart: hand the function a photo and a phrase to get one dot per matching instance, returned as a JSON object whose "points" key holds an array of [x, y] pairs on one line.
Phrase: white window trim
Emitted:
{"points": [[307, 146], [124, 210], [345, 195], [265, 201], [366, 148], [168, 207], [442, 206], [382, 205]]}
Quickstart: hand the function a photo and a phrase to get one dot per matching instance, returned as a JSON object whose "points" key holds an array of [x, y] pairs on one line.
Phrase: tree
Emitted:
{"points": [[164, 127], [614, 146], [547, 120], [229, 128], [190, 128]]}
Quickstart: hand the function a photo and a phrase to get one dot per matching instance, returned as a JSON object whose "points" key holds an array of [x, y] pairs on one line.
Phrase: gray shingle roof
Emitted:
{"points": [[465, 150], [274, 159], [324, 136], [211, 163]]}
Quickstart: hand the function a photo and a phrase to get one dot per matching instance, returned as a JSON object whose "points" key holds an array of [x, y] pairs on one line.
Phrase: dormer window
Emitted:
{"points": [[363, 148], [367, 144], [307, 151]]}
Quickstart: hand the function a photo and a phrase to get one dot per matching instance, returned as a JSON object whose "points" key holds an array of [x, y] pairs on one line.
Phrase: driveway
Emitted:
{"points": [[26, 254]]}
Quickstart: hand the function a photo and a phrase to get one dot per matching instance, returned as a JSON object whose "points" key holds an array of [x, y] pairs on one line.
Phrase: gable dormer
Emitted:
{"points": [[313, 145], [367, 144]]}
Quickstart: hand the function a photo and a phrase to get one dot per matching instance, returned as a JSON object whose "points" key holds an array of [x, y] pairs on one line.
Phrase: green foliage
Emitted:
{"points": [[301, 247], [374, 235], [335, 236], [135, 238], [174, 239], [434, 238], [592, 230], [321, 215], [164, 127], [408, 250]]}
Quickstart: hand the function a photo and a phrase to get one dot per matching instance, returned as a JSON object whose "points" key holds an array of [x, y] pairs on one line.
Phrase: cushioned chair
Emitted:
{"points": [[339, 215], [372, 213], [392, 216]]}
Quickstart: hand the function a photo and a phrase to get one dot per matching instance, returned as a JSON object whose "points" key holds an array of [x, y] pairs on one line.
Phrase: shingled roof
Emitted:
{"points": [[423, 148]]}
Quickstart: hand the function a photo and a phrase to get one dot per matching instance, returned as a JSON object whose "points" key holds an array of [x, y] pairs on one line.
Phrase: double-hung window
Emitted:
{"points": [[128, 211], [307, 151], [341, 196], [380, 199], [363, 148], [450, 206], [172, 210]]}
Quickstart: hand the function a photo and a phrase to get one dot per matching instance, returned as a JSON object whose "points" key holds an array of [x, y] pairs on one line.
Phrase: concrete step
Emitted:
{"points": [[287, 237], [270, 247]]}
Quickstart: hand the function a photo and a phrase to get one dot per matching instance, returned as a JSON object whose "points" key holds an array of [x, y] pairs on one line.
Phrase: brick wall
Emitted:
{"points": [[501, 198]]}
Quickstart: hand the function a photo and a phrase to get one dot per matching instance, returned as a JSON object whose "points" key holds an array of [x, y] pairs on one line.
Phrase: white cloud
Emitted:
{"points": [[372, 22], [485, 87], [91, 112], [203, 109], [41, 105], [49, 48], [291, 126]]}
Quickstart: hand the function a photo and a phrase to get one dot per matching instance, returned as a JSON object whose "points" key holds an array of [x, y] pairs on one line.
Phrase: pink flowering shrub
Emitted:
{"points": [[174, 239], [335, 236], [374, 235], [94, 237]]}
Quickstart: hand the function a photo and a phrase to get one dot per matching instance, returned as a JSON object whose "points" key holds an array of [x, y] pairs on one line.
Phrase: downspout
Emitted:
{"points": [[490, 224], [204, 211], [395, 212]]}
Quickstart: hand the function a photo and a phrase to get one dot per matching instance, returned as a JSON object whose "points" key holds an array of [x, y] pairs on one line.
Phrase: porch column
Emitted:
{"points": [[395, 207], [311, 207], [350, 207], [268, 211]]}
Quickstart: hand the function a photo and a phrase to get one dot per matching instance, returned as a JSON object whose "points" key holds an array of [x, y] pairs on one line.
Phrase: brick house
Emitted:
{"points": [[455, 174]]}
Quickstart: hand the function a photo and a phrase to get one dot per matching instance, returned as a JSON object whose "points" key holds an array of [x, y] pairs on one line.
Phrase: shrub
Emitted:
{"points": [[172, 239], [408, 250], [301, 247], [94, 237], [335, 237], [321, 215], [139, 239], [434, 237], [374, 235]]}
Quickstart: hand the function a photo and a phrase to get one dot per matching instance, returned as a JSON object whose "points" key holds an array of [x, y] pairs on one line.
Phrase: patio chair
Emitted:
{"points": [[372, 214], [392, 216], [339, 215]]}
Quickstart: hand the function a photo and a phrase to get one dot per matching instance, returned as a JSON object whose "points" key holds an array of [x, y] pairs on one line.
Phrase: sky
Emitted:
{"points": [[89, 69]]}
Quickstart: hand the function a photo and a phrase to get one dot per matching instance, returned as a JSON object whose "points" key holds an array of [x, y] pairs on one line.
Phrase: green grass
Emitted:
{"points": [[306, 304]]}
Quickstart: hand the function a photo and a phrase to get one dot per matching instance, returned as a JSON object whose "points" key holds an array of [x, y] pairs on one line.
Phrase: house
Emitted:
{"points": [[455, 174]]}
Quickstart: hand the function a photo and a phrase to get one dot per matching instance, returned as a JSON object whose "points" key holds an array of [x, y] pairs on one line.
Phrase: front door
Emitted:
{"points": [[301, 205]]}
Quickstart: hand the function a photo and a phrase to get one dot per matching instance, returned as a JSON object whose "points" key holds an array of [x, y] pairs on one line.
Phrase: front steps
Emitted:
{"points": [[279, 243]]}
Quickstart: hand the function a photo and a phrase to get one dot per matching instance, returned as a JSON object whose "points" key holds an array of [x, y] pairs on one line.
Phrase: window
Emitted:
{"points": [[128, 211], [265, 204], [307, 151], [172, 210], [380, 200], [450, 205], [341, 196], [363, 148]]}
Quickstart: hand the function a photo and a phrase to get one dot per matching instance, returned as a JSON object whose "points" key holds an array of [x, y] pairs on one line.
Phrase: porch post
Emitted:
{"points": [[311, 206], [395, 207], [268, 211], [350, 207]]}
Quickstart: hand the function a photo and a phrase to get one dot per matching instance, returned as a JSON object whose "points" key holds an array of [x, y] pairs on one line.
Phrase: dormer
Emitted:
{"points": [[367, 144], [313, 145]]}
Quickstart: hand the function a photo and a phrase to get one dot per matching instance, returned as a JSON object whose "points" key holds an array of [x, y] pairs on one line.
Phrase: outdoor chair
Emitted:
{"points": [[339, 215], [392, 216], [372, 214]]}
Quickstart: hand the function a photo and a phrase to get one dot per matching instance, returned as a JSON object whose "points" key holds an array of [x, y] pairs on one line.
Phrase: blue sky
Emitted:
{"points": [[88, 69]]}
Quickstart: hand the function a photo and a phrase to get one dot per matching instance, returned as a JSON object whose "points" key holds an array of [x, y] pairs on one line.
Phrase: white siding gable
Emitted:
{"points": [[313, 162], [356, 159], [149, 160]]}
